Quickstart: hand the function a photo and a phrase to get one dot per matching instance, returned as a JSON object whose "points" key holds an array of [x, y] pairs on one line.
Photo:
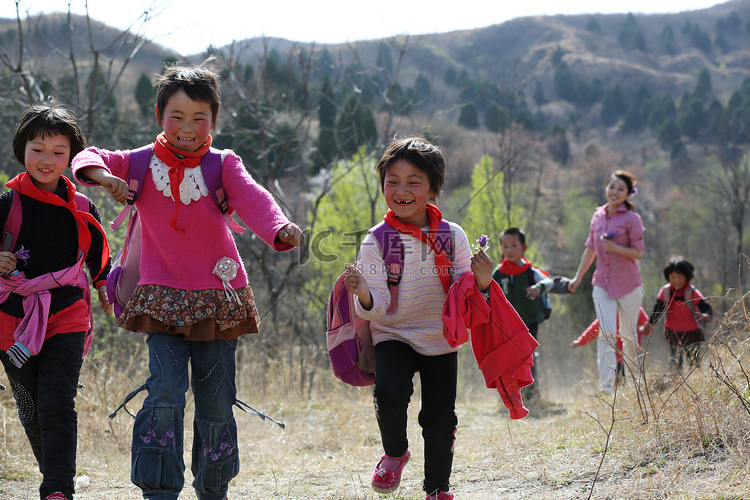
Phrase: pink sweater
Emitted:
{"points": [[185, 259]]}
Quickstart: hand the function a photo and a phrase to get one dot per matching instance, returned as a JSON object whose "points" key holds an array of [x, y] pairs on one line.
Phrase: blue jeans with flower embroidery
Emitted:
{"points": [[157, 466]]}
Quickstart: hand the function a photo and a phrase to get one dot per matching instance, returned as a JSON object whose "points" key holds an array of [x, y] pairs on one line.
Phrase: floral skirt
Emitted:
{"points": [[198, 315]]}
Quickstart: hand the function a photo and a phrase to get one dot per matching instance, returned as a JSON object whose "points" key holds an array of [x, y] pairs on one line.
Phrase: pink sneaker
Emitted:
{"points": [[387, 475], [441, 495], [58, 495]]}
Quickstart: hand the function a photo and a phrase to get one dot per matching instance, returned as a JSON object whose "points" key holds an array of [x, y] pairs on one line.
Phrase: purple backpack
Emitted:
{"points": [[348, 337], [125, 272]]}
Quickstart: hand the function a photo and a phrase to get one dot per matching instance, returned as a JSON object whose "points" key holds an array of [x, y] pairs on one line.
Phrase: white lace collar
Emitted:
{"points": [[192, 188]]}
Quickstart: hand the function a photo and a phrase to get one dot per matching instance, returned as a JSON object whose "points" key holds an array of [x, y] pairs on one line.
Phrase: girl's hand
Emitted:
{"points": [[106, 306], [609, 245], [646, 328], [482, 267], [7, 262], [574, 284], [575, 344], [356, 283], [291, 235], [115, 186]]}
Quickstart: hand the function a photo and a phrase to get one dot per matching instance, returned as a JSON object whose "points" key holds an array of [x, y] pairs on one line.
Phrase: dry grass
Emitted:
{"points": [[690, 441]]}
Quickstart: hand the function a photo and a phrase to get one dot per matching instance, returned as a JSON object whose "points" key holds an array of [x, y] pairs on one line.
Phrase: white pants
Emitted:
{"points": [[607, 311]]}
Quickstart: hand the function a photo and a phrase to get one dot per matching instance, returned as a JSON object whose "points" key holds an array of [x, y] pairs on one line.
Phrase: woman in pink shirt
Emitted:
{"points": [[615, 241]]}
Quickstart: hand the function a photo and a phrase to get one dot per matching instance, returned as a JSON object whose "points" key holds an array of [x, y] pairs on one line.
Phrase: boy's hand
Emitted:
{"points": [[106, 306], [115, 186], [7, 262], [646, 328], [291, 235], [533, 292], [482, 267], [575, 344]]}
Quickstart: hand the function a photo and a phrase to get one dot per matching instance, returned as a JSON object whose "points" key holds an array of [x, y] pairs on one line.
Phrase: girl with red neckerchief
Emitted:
{"points": [[45, 301], [191, 310], [409, 337]]}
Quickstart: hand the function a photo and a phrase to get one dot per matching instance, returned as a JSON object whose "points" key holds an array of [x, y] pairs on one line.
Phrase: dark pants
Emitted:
{"points": [[44, 389], [395, 365], [532, 391]]}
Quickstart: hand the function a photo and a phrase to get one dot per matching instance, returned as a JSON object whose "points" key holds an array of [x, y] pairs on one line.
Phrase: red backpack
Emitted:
{"points": [[348, 337], [125, 272]]}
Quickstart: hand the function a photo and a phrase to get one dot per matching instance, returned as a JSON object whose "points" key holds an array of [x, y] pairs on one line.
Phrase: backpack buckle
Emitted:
{"points": [[394, 274]]}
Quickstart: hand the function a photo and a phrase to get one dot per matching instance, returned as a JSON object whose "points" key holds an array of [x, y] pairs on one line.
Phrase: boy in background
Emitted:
{"points": [[523, 285]]}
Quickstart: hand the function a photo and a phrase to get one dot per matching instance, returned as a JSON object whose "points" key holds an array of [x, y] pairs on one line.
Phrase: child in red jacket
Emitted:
{"points": [[686, 312]]}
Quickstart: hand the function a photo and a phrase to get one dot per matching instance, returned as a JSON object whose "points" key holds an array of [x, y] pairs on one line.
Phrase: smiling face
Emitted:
{"points": [[186, 123], [407, 190], [616, 193], [677, 280], [46, 158]]}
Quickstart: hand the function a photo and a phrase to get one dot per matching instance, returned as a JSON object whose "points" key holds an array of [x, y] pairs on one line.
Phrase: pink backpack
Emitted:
{"points": [[15, 217], [348, 337], [125, 272]]}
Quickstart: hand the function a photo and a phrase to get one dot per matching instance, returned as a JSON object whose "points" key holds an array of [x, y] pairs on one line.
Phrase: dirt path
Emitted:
{"points": [[330, 446]]}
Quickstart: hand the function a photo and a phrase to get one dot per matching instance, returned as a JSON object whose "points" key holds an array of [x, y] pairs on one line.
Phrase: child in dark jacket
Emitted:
{"points": [[45, 303], [522, 284], [686, 313]]}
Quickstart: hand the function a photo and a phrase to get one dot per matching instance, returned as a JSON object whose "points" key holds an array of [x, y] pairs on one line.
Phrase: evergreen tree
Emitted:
{"points": [[592, 25], [356, 126], [565, 86], [145, 96], [469, 116], [558, 145], [703, 87], [630, 36], [539, 97], [326, 144], [700, 39], [495, 118], [613, 105], [667, 39], [669, 134], [422, 90]]}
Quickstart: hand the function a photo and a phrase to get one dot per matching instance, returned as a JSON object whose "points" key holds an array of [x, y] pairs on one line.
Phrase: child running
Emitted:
{"points": [[45, 309], [686, 313], [410, 338], [522, 283], [191, 316]]}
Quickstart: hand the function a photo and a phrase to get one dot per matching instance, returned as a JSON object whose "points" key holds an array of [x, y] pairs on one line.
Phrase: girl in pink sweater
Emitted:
{"points": [[191, 310]]}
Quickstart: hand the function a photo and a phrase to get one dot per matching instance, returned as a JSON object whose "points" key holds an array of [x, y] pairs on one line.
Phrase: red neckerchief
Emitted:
{"points": [[442, 262], [511, 269], [178, 160], [24, 184], [678, 293]]}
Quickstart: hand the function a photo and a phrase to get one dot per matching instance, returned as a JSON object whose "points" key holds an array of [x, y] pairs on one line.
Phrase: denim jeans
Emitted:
{"points": [[395, 365], [157, 466], [44, 389]]}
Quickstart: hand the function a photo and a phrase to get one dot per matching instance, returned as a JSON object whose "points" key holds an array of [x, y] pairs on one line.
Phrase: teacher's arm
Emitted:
{"points": [[586, 260]]}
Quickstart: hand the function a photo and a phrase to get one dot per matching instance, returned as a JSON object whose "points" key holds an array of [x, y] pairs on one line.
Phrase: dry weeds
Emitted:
{"points": [[695, 444]]}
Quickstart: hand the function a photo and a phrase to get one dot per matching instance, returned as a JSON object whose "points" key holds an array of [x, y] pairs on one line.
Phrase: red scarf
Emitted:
{"points": [[178, 160], [442, 262], [24, 184], [511, 269]]}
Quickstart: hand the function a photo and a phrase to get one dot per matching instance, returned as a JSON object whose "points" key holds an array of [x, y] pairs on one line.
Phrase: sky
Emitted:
{"points": [[189, 26]]}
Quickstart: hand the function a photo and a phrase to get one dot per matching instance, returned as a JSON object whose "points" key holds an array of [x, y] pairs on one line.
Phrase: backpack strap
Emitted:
{"points": [[393, 257], [211, 164], [393, 253], [140, 159], [12, 223]]}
